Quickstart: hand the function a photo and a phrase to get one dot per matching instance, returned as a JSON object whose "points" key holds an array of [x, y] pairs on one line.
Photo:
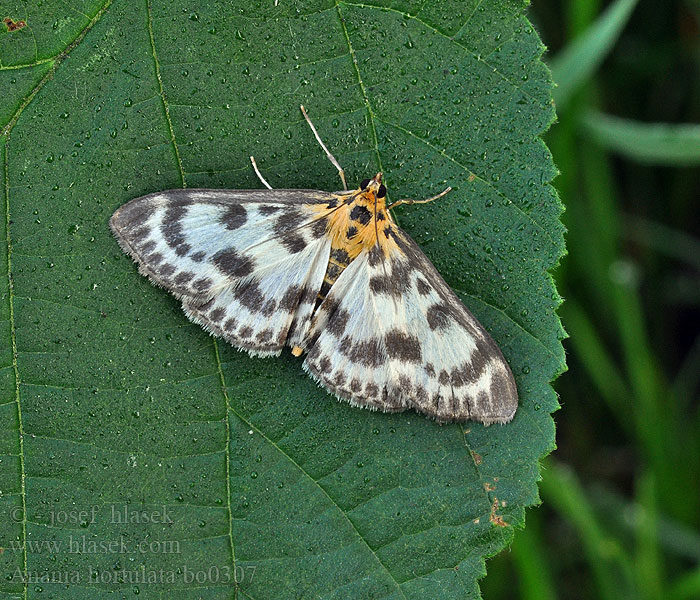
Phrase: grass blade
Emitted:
{"points": [[687, 587], [532, 562], [608, 560], [651, 143], [575, 64], [649, 563]]}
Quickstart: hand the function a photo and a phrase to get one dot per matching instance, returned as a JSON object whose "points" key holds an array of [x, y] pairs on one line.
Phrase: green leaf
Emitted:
{"points": [[114, 400], [576, 63], [650, 143]]}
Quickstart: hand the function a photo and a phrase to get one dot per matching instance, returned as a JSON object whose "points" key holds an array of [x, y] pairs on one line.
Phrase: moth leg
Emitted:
{"points": [[260, 177], [408, 201], [336, 164]]}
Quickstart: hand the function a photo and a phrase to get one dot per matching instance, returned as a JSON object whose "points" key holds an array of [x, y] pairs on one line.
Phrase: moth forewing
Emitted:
{"points": [[244, 262]]}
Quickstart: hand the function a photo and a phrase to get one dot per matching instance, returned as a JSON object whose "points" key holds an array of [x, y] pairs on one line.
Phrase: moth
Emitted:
{"points": [[329, 274]]}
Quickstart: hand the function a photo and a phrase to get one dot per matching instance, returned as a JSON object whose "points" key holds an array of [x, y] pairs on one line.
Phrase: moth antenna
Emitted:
{"points": [[409, 201], [260, 177], [336, 164]]}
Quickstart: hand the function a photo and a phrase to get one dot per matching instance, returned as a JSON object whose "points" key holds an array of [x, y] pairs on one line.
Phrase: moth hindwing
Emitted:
{"points": [[329, 274]]}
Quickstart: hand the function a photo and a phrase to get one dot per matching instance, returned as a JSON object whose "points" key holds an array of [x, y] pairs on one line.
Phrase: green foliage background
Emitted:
{"points": [[112, 400], [621, 509]]}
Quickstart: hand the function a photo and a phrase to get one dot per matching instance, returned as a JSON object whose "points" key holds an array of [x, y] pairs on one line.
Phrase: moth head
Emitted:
{"points": [[374, 185]]}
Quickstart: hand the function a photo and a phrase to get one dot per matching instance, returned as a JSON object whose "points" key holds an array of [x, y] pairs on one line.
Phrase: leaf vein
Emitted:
{"points": [[15, 367], [224, 390], [166, 107], [325, 493], [50, 73], [447, 37], [363, 90]]}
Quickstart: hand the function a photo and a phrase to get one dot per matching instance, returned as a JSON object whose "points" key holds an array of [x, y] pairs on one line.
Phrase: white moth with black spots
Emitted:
{"points": [[329, 274]]}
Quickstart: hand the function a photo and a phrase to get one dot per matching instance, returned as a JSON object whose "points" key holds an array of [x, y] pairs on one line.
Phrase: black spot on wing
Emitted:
{"points": [[294, 243], [324, 364], [439, 317], [230, 262], [469, 372], [166, 270], [308, 295], [505, 394], [288, 220], [183, 277], [365, 352], [375, 255], [250, 296], [436, 401], [291, 298], [405, 385], [202, 307], [371, 390], [396, 283], [351, 232], [217, 314], [285, 228], [319, 228], [403, 346], [171, 227], [147, 247], [423, 287], [233, 217], [202, 284], [139, 235], [337, 322], [269, 308], [264, 335], [269, 210]]}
